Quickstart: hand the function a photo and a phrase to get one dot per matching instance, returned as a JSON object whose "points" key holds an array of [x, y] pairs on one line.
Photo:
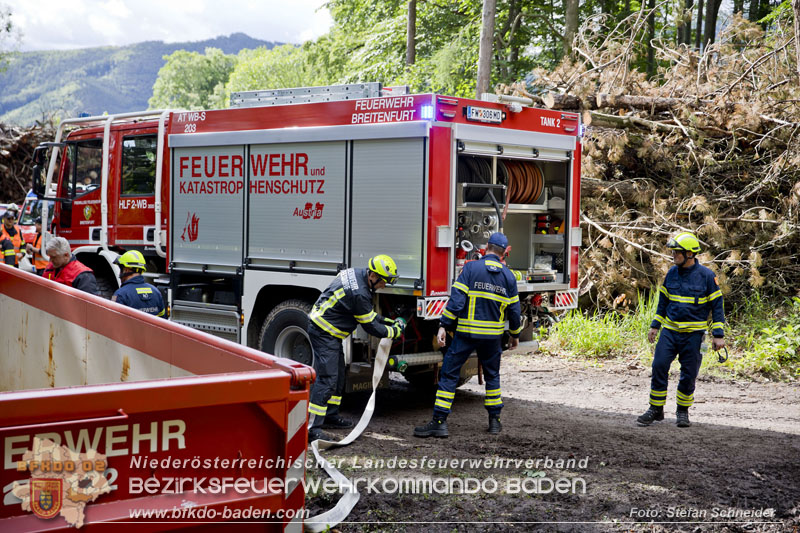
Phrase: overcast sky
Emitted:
{"points": [[67, 24]]}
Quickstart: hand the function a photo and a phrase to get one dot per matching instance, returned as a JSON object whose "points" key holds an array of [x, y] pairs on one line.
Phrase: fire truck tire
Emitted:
{"points": [[284, 332], [106, 288]]}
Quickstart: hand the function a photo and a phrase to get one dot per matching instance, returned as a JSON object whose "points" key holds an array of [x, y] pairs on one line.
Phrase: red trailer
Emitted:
{"points": [[246, 214], [135, 419]]}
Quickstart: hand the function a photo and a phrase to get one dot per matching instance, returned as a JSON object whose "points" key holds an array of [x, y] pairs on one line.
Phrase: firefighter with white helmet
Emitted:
{"points": [[135, 292], [690, 293], [346, 303]]}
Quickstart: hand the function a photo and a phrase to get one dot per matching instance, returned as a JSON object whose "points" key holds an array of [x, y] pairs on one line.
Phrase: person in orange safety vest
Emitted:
{"points": [[35, 248], [11, 240]]}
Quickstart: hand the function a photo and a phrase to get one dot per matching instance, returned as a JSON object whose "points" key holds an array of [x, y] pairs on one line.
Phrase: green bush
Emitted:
{"points": [[774, 350]]}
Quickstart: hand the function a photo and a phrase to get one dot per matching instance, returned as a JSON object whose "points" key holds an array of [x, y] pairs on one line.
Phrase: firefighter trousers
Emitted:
{"points": [[686, 346], [489, 352], [326, 391]]}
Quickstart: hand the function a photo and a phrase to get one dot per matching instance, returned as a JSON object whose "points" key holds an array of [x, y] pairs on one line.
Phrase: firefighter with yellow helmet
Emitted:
{"points": [[688, 295], [346, 303], [134, 291]]}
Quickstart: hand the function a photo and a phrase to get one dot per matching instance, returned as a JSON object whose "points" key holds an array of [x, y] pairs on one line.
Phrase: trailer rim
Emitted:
{"points": [[293, 343]]}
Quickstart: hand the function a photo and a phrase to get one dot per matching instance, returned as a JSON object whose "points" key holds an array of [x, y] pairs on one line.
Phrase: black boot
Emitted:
{"points": [[435, 428], [495, 426], [683, 417], [336, 422], [318, 434], [653, 414]]}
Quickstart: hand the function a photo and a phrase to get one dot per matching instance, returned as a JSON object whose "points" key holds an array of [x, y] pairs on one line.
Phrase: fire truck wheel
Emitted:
{"points": [[284, 332], [106, 288]]}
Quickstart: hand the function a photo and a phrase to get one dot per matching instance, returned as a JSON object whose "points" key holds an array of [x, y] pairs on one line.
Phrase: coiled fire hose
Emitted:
{"points": [[327, 520]]}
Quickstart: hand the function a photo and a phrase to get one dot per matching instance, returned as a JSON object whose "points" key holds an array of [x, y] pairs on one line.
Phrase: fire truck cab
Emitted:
{"points": [[245, 214]]}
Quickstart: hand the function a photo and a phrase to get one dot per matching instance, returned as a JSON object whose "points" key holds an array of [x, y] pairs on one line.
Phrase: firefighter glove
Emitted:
{"points": [[396, 329]]}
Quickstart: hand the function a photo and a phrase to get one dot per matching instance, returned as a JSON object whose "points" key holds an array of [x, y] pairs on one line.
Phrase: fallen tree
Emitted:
{"points": [[710, 145], [16, 153]]}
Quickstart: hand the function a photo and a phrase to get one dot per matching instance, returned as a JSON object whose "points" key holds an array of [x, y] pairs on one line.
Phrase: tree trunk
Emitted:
{"points": [[698, 37], [554, 36], [796, 7], [503, 41], [651, 34], [514, 48], [712, 9], [570, 25], [411, 41], [754, 13], [593, 118], [652, 104], [485, 52], [681, 29], [687, 26], [563, 101]]}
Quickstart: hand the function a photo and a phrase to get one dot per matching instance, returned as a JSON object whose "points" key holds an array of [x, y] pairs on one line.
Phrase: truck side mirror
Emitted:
{"points": [[38, 163], [38, 182]]}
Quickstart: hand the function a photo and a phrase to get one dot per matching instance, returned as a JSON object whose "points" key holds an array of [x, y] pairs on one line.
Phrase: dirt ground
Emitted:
{"points": [[736, 469]]}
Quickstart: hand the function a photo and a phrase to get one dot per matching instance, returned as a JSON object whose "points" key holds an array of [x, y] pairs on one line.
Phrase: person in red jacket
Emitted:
{"points": [[65, 268]]}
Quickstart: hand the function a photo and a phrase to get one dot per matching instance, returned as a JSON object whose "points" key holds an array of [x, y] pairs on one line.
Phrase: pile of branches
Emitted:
{"points": [[708, 145], [16, 159]]}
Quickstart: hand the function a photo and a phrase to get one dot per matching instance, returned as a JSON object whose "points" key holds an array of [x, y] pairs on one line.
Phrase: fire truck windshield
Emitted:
{"points": [[85, 158], [32, 210]]}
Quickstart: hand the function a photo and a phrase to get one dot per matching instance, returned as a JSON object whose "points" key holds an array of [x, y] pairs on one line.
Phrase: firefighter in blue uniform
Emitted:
{"points": [[135, 292], [482, 299], [346, 303], [689, 293]]}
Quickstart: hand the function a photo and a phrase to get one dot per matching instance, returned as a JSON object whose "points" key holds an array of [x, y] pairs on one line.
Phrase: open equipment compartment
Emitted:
{"points": [[531, 189]]}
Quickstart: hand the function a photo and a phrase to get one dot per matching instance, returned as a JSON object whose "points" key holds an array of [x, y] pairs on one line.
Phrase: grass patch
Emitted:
{"points": [[763, 338], [603, 335]]}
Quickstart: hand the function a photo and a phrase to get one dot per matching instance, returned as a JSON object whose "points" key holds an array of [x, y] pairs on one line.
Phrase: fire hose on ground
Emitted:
{"points": [[327, 520]]}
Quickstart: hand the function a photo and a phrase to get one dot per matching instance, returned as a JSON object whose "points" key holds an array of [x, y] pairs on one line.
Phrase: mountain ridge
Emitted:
{"points": [[113, 79]]}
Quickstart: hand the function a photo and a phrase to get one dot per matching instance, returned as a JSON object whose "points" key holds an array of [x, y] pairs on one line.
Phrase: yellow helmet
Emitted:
{"points": [[684, 242], [133, 260], [385, 267]]}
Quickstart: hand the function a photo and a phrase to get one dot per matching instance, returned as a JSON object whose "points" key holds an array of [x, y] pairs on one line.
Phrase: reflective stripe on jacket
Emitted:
{"points": [[346, 303], [482, 298], [139, 295], [686, 299]]}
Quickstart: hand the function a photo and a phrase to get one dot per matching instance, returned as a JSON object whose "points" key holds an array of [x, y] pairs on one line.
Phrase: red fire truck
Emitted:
{"points": [[245, 214]]}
